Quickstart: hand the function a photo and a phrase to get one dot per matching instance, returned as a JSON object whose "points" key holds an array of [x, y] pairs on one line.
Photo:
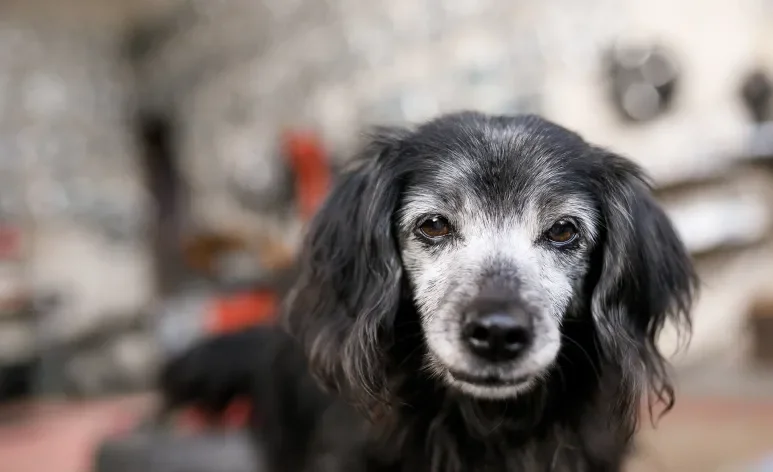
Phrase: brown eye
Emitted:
{"points": [[562, 232], [435, 227]]}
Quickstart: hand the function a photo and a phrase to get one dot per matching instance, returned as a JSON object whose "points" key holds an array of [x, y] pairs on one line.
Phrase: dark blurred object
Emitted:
{"points": [[13, 287], [761, 328], [19, 356], [18, 380], [642, 81], [757, 95], [165, 452], [160, 161]]}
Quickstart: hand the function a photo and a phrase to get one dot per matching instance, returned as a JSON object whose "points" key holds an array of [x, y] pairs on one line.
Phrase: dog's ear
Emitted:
{"points": [[348, 291], [646, 277]]}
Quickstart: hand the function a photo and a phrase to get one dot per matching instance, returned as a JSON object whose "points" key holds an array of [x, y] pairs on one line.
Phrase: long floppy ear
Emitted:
{"points": [[646, 279], [348, 291]]}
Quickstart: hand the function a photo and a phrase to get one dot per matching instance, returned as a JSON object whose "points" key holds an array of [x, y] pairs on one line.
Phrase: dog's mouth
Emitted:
{"points": [[490, 387], [488, 380]]}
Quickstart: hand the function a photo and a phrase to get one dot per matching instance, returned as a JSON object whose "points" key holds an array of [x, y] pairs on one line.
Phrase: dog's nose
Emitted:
{"points": [[498, 337]]}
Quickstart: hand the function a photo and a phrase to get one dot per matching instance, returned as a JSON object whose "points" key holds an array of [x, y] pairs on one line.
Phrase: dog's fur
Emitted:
{"points": [[376, 316]]}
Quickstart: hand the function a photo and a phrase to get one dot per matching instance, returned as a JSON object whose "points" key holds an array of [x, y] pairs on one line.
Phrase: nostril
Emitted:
{"points": [[479, 334], [516, 337]]}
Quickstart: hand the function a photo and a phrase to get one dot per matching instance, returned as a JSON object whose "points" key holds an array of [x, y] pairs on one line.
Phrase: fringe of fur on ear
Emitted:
{"points": [[647, 280], [349, 289]]}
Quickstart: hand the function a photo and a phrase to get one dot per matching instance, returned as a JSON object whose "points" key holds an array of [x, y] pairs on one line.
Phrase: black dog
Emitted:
{"points": [[482, 293]]}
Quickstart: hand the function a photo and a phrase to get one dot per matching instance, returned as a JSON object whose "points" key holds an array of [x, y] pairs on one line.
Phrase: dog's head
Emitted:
{"points": [[500, 230]]}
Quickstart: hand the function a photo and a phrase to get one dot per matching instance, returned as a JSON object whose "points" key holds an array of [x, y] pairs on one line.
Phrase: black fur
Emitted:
{"points": [[355, 330]]}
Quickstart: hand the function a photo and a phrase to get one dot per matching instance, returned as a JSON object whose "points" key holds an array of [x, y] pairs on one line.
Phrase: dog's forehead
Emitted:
{"points": [[506, 163]]}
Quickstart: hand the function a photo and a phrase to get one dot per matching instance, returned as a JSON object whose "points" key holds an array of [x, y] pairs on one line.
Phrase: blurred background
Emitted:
{"points": [[158, 159]]}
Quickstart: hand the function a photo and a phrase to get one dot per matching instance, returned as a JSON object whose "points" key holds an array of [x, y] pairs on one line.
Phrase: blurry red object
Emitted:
{"points": [[241, 310], [236, 416], [310, 163]]}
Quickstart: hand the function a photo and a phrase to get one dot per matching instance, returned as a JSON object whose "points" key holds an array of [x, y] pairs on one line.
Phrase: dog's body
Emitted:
{"points": [[479, 294]]}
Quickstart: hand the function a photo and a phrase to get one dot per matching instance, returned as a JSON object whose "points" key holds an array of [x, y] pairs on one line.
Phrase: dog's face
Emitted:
{"points": [[502, 229], [495, 235]]}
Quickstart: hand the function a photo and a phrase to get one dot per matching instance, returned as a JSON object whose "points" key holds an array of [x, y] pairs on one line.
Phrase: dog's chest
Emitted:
{"points": [[563, 452]]}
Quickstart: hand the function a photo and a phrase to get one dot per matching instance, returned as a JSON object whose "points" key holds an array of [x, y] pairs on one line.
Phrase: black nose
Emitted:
{"points": [[498, 337]]}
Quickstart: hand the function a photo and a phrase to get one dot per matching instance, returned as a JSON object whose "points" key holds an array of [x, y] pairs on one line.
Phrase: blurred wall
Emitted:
{"points": [[71, 179], [73, 168], [229, 76]]}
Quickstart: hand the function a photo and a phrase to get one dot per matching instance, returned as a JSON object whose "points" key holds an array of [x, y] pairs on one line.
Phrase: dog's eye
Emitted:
{"points": [[562, 232], [435, 227]]}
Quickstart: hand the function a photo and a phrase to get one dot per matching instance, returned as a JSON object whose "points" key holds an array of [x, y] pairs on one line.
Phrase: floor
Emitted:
{"points": [[708, 435], [722, 421], [62, 436]]}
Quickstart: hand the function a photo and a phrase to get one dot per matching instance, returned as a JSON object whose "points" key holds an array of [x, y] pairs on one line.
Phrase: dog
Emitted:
{"points": [[477, 293]]}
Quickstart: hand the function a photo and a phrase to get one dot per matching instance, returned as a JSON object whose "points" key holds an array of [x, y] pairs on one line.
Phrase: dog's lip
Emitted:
{"points": [[487, 380]]}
